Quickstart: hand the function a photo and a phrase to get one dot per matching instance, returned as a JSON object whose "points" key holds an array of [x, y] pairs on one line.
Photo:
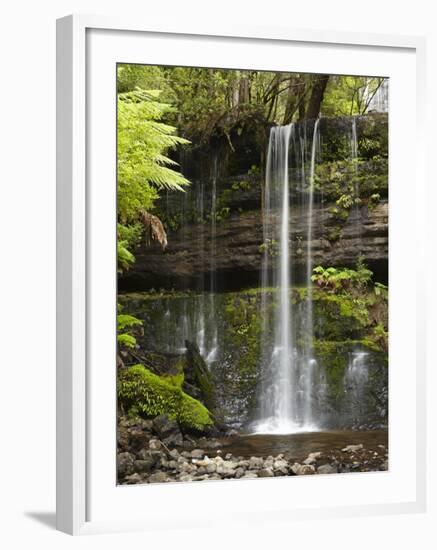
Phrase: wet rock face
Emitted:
{"points": [[238, 256]]}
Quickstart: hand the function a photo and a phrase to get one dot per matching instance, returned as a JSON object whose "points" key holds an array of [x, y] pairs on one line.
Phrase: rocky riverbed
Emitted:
{"points": [[157, 452]]}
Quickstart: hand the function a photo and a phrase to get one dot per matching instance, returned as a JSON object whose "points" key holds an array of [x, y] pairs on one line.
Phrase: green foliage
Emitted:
{"points": [[349, 95], [335, 279], [125, 259], [126, 340], [126, 328], [381, 290], [356, 299], [143, 165], [143, 139], [211, 101], [143, 393], [271, 246], [125, 321]]}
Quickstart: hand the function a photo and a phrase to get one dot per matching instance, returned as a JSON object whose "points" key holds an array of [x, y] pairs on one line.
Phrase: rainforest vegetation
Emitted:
{"points": [[201, 252]]}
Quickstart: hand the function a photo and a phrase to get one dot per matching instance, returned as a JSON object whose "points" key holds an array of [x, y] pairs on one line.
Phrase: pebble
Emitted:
{"points": [[155, 445], [352, 448], [197, 453]]}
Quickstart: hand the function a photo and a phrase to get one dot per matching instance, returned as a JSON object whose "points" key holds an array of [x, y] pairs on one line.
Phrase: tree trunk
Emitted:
{"points": [[317, 92]]}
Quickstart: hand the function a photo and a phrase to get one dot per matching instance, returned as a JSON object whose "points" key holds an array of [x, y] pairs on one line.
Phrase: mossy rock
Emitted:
{"points": [[198, 375], [143, 393]]}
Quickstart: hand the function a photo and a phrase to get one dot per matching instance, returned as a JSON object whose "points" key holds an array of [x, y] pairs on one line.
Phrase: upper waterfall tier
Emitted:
{"points": [[215, 229]]}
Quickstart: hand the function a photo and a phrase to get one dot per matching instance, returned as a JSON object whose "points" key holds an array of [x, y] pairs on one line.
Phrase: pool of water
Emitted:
{"points": [[298, 446]]}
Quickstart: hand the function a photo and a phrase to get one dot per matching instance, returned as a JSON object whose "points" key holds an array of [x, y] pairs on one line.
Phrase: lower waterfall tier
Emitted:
{"points": [[227, 330]]}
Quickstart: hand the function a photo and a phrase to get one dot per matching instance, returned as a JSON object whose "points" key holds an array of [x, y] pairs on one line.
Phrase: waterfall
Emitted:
{"points": [[211, 352], [354, 159], [277, 414], [355, 382], [290, 371], [310, 364], [200, 328]]}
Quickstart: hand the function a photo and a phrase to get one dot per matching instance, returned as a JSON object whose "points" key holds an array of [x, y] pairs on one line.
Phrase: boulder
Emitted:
{"points": [[143, 466], [280, 467], [164, 427], [302, 469], [125, 464], [197, 453], [133, 479], [312, 457], [158, 477], [256, 463], [250, 475], [155, 445], [327, 469], [266, 472]]}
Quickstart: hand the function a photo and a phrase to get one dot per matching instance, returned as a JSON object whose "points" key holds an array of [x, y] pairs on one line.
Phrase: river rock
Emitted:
{"points": [[280, 467], [164, 427], [250, 475], [327, 469], [197, 453], [147, 454], [203, 477], [312, 457], [155, 445], [186, 467], [226, 468], [265, 472], [133, 479], [185, 477], [174, 453], [143, 466], [302, 469], [125, 464], [256, 462], [352, 448], [138, 439], [213, 444], [211, 467], [174, 440], [158, 477], [123, 438]]}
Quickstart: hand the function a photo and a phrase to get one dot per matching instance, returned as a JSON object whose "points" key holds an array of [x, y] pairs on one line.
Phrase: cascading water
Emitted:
{"points": [[277, 414], [287, 387], [355, 382], [201, 309], [210, 356], [354, 159], [309, 363]]}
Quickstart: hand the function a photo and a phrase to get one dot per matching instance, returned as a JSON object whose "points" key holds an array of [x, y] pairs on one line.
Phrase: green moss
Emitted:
{"points": [[143, 393], [243, 339]]}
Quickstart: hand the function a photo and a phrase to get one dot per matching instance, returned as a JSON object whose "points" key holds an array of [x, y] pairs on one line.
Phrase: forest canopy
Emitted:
{"points": [[209, 100]]}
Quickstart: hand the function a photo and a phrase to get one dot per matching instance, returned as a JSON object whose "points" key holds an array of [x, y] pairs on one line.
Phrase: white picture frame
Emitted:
{"points": [[80, 487]]}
